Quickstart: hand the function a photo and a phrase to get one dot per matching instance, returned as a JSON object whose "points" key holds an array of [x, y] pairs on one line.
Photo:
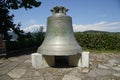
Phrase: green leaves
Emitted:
{"points": [[16, 4], [6, 20], [99, 41]]}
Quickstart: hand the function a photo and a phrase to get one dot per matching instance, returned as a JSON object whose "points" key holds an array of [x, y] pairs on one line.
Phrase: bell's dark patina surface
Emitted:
{"points": [[59, 39]]}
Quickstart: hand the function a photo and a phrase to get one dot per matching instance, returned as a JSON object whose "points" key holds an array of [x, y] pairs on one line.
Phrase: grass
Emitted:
{"points": [[103, 51]]}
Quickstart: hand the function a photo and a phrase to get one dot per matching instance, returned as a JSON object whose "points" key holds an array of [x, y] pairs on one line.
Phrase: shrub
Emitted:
{"points": [[98, 41]]}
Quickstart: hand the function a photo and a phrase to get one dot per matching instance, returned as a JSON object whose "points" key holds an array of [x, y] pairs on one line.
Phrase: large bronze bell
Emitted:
{"points": [[59, 39]]}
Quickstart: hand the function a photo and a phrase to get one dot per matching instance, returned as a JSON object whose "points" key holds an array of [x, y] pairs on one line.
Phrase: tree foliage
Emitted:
{"points": [[6, 20], [98, 41], [28, 40]]}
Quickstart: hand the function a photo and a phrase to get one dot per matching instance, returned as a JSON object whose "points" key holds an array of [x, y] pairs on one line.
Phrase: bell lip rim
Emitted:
{"points": [[60, 54]]}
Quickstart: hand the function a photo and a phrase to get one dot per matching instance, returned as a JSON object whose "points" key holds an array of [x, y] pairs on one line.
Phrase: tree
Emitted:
{"points": [[39, 35], [6, 20]]}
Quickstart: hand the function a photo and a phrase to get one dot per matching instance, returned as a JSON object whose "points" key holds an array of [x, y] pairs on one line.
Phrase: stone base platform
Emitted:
{"points": [[41, 61]]}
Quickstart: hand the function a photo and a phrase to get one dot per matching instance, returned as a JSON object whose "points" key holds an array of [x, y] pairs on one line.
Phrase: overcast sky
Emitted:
{"points": [[101, 15]]}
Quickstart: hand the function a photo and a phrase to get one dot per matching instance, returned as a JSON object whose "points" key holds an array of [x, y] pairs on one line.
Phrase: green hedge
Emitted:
{"points": [[98, 41]]}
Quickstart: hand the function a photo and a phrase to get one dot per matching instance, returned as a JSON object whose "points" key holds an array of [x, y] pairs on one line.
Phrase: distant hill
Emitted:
{"points": [[117, 32], [96, 31]]}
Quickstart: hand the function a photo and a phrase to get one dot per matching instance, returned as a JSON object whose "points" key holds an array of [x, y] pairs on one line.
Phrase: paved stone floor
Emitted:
{"points": [[102, 67]]}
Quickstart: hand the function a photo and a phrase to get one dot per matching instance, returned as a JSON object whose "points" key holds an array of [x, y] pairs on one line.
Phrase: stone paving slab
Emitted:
{"points": [[102, 67], [5, 77], [67, 77], [7, 66], [17, 73]]}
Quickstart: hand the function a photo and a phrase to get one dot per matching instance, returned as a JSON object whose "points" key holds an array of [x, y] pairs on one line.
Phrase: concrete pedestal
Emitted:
{"points": [[40, 61], [85, 59], [37, 61]]}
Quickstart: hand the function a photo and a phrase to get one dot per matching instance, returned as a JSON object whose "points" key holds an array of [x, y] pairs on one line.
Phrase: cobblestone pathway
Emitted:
{"points": [[102, 67]]}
